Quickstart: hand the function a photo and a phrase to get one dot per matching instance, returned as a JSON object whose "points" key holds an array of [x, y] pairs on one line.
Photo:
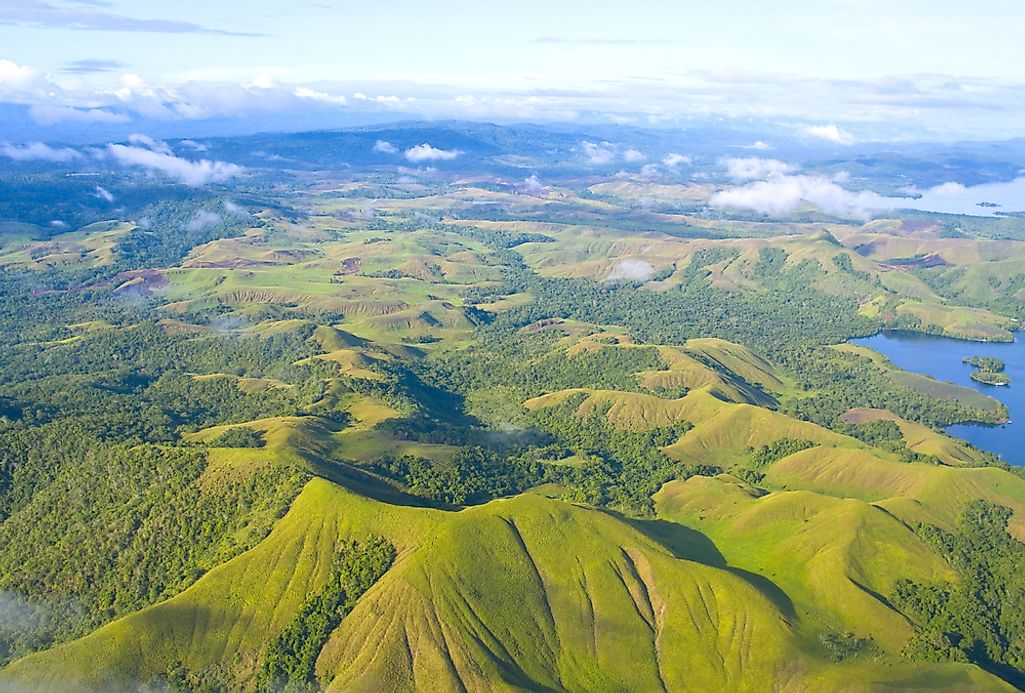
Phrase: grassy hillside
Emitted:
{"points": [[520, 594], [382, 429]]}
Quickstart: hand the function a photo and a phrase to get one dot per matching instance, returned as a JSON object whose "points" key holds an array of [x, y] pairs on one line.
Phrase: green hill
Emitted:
{"points": [[520, 594]]}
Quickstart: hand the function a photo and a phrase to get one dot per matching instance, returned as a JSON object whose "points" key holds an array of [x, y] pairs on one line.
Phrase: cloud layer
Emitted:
{"points": [[631, 270], [754, 168], [830, 133], [37, 151], [782, 195], [191, 173], [45, 14], [425, 152]]}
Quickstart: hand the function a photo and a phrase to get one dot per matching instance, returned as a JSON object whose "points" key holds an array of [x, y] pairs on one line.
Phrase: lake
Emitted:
{"points": [[958, 199], [942, 358]]}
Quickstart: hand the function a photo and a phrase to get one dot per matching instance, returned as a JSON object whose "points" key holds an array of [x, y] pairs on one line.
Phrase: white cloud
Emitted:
{"points": [[782, 195], [674, 160], [830, 133], [193, 145], [949, 189], [52, 115], [234, 209], [533, 185], [192, 173], [632, 270], [760, 146], [754, 168], [385, 147], [148, 142], [598, 154], [103, 194], [389, 99], [425, 152], [633, 156], [202, 220], [37, 151], [323, 97], [23, 83]]}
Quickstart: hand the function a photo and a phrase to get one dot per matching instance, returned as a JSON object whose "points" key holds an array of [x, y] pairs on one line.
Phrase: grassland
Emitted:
{"points": [[518, 594], [368, 313]]}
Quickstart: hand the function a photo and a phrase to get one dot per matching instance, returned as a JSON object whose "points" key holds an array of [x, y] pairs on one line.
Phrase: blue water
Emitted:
{"points": [[956, 199], [942, 358]]}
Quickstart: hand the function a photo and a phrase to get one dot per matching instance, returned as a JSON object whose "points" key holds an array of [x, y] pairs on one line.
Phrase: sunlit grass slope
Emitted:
{"points": [[526, 593]]}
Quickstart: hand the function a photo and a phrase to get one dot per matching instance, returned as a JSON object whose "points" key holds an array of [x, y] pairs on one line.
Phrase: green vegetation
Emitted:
{"points": [[974, 620], [784, 447], [378, 431], [290, 662], [986, 363], [989, 371], [239, 437], [58, 485], [991, 378]]}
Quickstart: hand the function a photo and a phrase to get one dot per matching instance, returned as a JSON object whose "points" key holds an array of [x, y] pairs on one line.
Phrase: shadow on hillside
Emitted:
{"points": [[682, 542], [689, 544], [372, 486]]}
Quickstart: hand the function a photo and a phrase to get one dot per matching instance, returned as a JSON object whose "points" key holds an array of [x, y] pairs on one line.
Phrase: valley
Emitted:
{"points": [[356, 428]]}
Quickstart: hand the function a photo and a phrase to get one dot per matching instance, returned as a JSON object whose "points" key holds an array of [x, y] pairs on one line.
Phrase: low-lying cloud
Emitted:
{"points": [[203, 220], [323, 97], [782, 195], [633, 156], [103, 194], [533, 185], [674, 160], [598, 153], [54, 115], [425, 152], [234, 209], [193, 145], [632, 270], [37, 151], [830, 133], [148, 142], [951, 189], [191, 173], [385, 147], [754, 168]]}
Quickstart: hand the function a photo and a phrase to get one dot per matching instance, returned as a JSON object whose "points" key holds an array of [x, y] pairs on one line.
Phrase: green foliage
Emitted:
{"points": [[770, 261], [770, 454], [499, 240], [886, 435], [80, 519], [977, 619], [844, 264], [986, 363], [991, 378], [839, 382], [239, 437], [846, 646], [289, 662], [474, 475], [988, 370], [530, 362], [623, 468], [781, 317]]}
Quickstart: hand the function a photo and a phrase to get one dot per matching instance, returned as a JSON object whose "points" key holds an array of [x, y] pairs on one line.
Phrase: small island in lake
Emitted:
{"points": [[988, 370]]}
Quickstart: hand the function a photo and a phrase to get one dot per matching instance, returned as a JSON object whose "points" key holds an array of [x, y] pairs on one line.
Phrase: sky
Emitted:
{"points": [[878, 69]]}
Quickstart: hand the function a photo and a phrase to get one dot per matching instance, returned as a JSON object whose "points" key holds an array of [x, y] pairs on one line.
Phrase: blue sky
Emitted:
{"points": [[939, 68]]}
